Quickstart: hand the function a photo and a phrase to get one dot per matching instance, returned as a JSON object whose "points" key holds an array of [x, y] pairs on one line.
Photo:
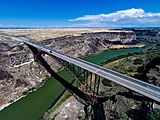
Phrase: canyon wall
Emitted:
{"points": [[88, 43]]}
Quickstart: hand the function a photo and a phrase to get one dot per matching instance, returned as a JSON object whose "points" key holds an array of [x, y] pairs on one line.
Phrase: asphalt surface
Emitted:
{"points": [[141, 87]]}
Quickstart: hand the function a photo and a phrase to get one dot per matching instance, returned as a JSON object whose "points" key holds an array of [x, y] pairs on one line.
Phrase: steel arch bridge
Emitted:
{"points": [[88, 76]]}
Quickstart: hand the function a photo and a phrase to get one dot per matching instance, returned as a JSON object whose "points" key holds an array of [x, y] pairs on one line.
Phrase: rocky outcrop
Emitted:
{"points": [[18, 72], [153, 75], [113, 37], [147, 35], [89, 43], [71, 109], [150, 72]]}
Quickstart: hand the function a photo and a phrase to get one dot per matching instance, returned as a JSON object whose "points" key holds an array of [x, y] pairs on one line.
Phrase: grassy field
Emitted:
{"points": [[48, 33]]}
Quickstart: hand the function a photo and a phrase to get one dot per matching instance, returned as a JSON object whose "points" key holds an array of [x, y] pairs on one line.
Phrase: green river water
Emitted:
{"points": [[35, 104]]}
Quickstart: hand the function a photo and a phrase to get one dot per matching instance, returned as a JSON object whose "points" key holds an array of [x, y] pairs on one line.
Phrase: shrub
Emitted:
{"points": [[154, 114]]}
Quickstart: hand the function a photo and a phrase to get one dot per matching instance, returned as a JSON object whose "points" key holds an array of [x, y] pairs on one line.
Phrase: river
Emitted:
{"points": [[35, 104]]}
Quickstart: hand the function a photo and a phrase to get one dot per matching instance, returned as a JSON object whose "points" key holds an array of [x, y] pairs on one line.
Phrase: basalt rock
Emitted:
{"points": [[89, 43]]}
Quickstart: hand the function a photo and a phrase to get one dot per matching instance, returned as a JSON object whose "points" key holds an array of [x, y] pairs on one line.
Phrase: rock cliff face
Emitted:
{"points": [[19, 72], [89, 43], [148, 35], [150, 72]]}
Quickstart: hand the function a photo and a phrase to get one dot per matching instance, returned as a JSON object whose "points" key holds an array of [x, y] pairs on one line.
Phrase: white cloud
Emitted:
{"points": [[130, 17]]}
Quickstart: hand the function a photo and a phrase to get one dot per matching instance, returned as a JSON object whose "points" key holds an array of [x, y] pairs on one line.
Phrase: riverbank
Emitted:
{"points": [[24, 95]]}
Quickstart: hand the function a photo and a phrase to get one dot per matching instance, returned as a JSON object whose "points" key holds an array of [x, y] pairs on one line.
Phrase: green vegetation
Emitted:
{"points": [[154, 114], [116, 58], [131, 64], [36, 103]]}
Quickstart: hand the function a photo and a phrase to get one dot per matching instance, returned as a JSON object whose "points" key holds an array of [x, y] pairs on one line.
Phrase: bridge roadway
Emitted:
{"points": [[141, 87]]}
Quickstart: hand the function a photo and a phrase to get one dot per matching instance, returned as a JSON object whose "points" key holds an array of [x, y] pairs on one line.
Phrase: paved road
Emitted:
{"points": [[141, 87]]}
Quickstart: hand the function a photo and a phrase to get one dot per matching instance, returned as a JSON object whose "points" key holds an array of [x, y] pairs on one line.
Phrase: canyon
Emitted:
{"points": [[19, 72]]}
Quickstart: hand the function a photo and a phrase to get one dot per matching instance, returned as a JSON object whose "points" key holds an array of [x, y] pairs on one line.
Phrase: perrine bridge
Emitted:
{"points": [[89, 76]]}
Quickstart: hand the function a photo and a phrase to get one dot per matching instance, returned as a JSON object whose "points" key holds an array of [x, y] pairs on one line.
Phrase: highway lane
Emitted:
{"points": [[141, 87]]}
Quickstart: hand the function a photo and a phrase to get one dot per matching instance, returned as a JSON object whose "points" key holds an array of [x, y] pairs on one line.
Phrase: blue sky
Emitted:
{"points": [[79, 13]]}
